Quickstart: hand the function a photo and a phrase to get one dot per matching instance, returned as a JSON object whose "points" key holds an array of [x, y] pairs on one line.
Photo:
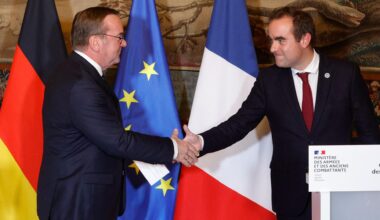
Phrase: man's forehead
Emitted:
{"points": [[280, 28], [112, 22]]}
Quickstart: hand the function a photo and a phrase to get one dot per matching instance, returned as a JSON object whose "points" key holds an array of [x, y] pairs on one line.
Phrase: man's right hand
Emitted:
{"points": [[192, 138], [187, 153]]}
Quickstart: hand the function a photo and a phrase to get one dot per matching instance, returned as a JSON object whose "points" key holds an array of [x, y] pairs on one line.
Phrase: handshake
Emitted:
{"points": [[188, 148]]}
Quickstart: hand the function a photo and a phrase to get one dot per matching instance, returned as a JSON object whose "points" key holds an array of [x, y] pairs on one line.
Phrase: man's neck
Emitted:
{"points": [[89, 59], [307, 57]]}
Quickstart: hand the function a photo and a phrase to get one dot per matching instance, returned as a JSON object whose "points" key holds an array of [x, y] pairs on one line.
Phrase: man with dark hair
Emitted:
{"points": [[302, 22], [82, 170], [309, 99]]}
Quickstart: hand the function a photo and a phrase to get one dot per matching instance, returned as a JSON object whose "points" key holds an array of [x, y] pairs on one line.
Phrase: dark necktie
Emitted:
{"points": [[307, 100]]}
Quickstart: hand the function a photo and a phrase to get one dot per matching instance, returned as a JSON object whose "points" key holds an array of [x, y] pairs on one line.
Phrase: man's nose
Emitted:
{"points": [[273, 47], [123, 43]]}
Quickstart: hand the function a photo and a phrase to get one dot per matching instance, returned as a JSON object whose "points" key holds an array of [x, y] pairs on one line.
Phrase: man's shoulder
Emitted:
{"points": [[272, 71], [335, 62], [339, 68], [272, 67], [66, 74]]}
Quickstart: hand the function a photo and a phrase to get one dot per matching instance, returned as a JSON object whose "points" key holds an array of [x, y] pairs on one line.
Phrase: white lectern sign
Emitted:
{"points": [[344, 168]]}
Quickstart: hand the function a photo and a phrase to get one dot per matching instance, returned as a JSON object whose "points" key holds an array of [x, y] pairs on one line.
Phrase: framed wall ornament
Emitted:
{"points": [[4, 74], [373, 82]]}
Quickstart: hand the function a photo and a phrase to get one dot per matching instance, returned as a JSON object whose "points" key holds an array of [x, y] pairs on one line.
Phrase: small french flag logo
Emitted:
{"points": [[322, 152]]}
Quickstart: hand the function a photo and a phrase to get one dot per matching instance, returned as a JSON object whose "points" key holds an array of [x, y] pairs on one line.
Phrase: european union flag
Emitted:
{"points": [[147, 102]]}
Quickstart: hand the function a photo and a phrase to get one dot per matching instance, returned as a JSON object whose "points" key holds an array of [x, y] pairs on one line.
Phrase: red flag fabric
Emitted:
{"points": [[40, 47]]}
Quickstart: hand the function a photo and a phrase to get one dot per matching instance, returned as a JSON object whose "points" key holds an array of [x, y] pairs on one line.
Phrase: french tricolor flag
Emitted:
{"points": [[233, 183]]}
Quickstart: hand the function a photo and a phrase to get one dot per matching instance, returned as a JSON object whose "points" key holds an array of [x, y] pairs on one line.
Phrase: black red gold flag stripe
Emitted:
{"points": [[40, 47]]}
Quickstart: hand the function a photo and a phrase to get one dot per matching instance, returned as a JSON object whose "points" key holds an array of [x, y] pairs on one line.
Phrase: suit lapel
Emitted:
{"points": [[323, 90], [93, 73]]}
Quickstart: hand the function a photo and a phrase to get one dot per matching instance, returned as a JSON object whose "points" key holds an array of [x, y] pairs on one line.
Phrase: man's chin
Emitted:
{"points": [[116, 62], [282, 64]]}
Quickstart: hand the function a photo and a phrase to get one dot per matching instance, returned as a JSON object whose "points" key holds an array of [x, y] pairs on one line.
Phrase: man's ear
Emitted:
{"points": [[93, 43], [305, 40]]}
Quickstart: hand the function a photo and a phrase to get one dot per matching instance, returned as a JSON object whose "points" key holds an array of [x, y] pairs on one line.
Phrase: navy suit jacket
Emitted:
{"points": [[342, 101], [81, 175]]}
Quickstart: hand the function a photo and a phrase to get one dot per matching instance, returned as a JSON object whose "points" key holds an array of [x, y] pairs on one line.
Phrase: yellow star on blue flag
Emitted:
{"points": [[128, 128], [165, 185], [149, 70], [135, 167], [129, 98]]}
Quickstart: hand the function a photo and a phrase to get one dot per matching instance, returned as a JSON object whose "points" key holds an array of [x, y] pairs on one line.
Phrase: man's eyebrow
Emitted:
{"points": [[279, 38]]}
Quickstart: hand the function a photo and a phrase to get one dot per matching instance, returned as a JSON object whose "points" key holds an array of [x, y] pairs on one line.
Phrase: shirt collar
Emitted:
{"points": [[313, 66], [91, 61]]}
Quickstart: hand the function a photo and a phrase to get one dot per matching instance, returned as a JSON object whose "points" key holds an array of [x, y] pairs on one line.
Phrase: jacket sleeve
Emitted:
{"points": [[94, 113], [240, 124], [363, 112]]}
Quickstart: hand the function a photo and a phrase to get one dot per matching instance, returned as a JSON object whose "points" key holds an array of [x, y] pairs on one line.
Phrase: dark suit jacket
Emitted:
{"points": [[342, 100], [81, 175]]}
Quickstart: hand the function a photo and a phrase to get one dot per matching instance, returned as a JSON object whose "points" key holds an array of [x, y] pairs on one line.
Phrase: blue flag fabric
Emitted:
{"points": [[230, 35], [148, 106]]}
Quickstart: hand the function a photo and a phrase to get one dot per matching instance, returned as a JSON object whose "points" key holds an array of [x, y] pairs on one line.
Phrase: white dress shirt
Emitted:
{"points": [[313, 70], [91, 61]]}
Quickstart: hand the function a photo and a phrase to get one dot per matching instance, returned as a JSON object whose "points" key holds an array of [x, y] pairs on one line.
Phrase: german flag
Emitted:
{"points": [[40, 47]]}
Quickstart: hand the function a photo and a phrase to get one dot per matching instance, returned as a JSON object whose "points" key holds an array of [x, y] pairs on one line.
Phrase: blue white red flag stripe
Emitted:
{"points": [[237, 177]]}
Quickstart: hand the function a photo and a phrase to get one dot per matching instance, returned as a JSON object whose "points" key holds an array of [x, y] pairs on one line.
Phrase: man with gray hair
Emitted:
{"points": [[85, 144]]}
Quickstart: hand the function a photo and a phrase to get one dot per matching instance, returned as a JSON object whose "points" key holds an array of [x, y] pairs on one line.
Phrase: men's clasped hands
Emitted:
{"points": [[188, 148]]}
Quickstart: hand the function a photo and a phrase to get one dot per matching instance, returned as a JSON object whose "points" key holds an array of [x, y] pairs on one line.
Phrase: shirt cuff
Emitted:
{"points": [[175, 147], [202, 142]]}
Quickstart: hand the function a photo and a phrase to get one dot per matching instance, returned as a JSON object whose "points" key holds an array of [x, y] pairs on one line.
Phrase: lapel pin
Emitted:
{"points": [[327, 75]]}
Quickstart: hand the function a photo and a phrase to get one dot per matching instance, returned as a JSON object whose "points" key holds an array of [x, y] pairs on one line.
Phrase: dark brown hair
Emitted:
{"points": [[89, 22], [302, 22]]}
